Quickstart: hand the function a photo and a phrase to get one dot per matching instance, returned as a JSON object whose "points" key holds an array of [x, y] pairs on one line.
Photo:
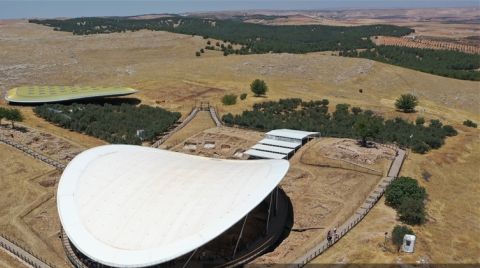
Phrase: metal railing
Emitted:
{"points": [[23, 253]]}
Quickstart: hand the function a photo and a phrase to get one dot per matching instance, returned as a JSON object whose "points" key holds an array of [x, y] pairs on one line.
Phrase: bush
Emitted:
{"points": [[398, 233], [259, 87], [356, 110], [243, 96], [420, 147], [406, 103], [419, 121], [197, 54], [412, 211], [229, 99], [202, 50], [401, 189], [449, 131], [469, 123]]}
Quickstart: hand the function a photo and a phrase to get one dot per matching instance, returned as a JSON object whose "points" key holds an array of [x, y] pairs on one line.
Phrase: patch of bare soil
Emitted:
{"points": [[223, 142]]}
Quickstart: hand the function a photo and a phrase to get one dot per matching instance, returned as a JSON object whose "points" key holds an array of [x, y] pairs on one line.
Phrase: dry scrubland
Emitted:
{"points": [[164, 68]]}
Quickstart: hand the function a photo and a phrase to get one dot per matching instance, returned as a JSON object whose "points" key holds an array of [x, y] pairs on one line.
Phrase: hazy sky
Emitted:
{"points": [[78, 8]]}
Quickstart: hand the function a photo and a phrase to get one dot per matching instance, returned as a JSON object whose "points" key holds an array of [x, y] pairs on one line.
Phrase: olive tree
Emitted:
{"points": [[259, 87], [407, 103]]}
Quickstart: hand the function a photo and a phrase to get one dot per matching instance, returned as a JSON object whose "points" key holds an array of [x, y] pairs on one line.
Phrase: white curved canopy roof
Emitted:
{"points": [[133, 206]]}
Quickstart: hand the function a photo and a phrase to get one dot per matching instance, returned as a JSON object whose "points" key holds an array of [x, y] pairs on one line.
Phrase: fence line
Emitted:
{"points": [[33, 153], [187, 120], [214, 114], [22, 253], [359, 214]]}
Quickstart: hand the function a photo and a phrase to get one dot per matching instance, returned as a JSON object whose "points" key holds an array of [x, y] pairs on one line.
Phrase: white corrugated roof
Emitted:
{"points": [[286, 144], [266, 155], [272, 149], [133, 206], [290, 133]]}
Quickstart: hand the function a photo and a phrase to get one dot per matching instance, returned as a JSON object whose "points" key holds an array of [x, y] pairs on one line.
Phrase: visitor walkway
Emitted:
{"points": [[359, 214], [27, 257], [33, 153]]}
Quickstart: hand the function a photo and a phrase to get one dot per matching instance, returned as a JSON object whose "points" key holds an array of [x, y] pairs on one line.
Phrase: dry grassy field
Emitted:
{"points": [[27, 207], [164, 68], [453, 208]]}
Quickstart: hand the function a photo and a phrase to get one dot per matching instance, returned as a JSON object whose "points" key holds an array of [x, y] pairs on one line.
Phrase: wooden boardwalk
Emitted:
{"points": [[359, 214]]}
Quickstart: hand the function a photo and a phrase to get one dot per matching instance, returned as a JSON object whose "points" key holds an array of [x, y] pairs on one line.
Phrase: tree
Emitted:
{"points": [[366, 127], [14, 115], [398, 233], [259, 87], [402, 188], [412, 211], [406, 103], [3, 113]]}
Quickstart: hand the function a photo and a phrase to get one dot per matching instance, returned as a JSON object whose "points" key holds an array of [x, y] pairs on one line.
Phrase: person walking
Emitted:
{"points": [[329, 237]]}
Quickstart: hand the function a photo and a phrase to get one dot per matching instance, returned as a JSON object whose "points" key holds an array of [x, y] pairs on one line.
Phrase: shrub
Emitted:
{"points": [[469, 123], [406, 103], [398, 233], [259, 87], [419, 121], [228, 119], [412, 211], [403, 188], [229, 99], [449, 131], [202, 50], [420, 147], [356, 110], [197, 54], [243, 96]]}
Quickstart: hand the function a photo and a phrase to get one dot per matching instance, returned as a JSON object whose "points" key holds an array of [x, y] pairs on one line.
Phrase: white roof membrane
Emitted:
{"points": [[133, 206], [266, 155], [285, 144], [272, 149], [290, 133]]}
